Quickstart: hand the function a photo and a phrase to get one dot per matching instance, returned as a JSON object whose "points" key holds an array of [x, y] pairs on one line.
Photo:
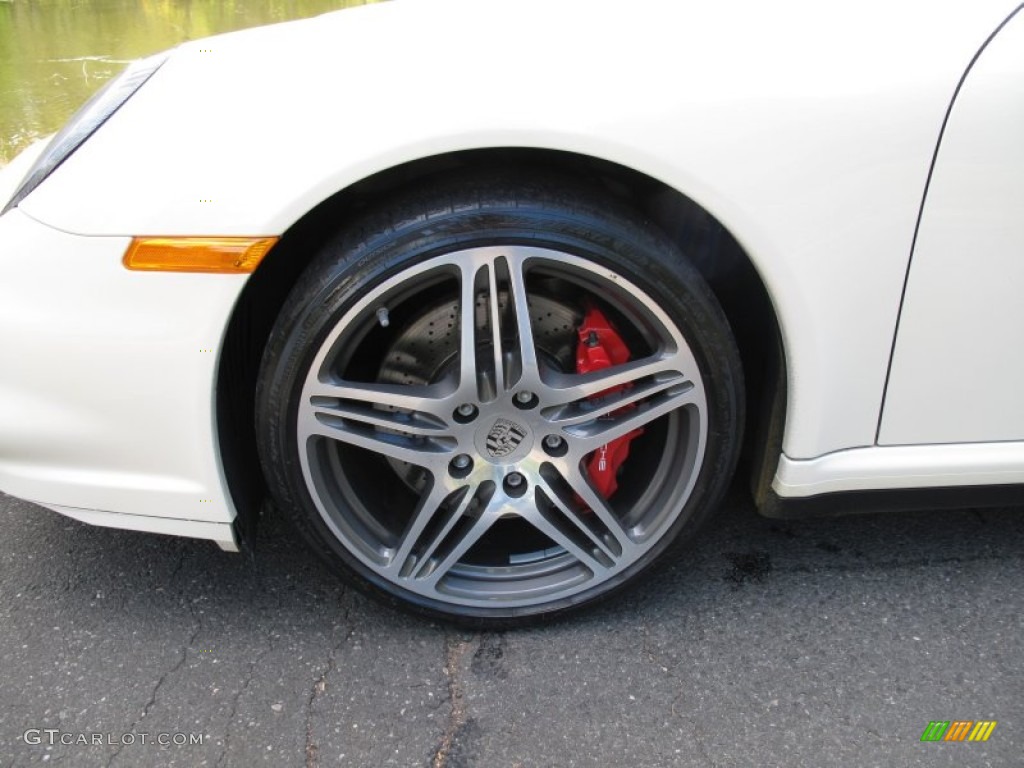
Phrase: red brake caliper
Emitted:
{"points": [[601, 347]]}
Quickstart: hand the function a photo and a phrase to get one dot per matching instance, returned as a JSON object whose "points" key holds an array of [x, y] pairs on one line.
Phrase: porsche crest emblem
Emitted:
{"points": [[504, 437]]}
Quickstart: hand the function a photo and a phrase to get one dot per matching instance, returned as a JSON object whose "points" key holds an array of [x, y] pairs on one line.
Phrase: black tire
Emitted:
{"points": [[574, 247]]}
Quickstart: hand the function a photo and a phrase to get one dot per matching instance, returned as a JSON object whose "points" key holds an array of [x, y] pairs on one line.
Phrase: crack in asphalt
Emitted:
{"points": [[453, 653], [312, 750], [250, 674], [179, 565], [257, 588], [197, 628]]}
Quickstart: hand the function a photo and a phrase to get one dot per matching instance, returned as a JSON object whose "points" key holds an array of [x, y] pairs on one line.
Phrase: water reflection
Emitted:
{"points": [[55, 53]]}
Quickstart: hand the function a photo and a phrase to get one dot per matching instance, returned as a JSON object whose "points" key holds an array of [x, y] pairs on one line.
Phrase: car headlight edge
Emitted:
{"points": [[96, 111]]}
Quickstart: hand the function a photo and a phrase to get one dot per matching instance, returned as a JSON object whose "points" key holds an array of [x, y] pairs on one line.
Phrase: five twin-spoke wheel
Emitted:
{"points": [[440, 418]]}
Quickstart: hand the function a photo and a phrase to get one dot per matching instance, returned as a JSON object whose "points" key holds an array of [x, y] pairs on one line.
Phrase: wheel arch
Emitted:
{"points": [[709, 245]]}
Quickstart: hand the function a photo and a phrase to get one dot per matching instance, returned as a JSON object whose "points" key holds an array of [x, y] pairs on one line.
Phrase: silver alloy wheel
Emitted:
{"points": [[499, 436]]}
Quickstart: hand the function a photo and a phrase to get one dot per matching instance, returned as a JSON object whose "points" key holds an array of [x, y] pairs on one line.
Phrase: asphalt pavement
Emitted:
{"points": [[811, 643]]}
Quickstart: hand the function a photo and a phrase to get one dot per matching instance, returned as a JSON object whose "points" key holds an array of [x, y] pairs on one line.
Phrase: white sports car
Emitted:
{"points": [[490, 298]]}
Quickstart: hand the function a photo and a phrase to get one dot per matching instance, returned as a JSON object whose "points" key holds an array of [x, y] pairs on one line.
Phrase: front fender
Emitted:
{"points": [[807, 131]]}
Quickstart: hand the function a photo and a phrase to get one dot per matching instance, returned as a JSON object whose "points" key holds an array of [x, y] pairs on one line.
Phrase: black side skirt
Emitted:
{"points": [[898, 500]]}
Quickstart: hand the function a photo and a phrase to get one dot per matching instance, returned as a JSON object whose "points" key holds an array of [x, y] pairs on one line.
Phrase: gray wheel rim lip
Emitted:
{"points": [[519, 256]]}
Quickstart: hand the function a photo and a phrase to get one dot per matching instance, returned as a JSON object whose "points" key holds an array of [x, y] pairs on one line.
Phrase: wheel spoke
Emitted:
{"points": [[421, 399], [567, 388], [497, 344], [442, 502], [599, 550], [414, 449], [409, 422], [469, 375], [583, 411], [597, 432], [579, 485], [461, 538], [593, 557], [526, 358], [486, 275]]}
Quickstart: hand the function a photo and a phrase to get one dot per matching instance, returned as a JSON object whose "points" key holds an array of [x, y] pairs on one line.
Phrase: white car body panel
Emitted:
{"points": [[958, 368], [779, 133], [895, 467], [121, 418], [222, 533], [811, 142]]}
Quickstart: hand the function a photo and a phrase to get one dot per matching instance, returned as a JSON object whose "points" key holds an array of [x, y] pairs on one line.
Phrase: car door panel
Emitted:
{"points": [[958, 366]]}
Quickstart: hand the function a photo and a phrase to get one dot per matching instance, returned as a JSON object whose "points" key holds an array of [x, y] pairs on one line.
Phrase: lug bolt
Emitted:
{"points": [[461, 466], [514, 480], [555, 445], [524, 400], [465, 413]]}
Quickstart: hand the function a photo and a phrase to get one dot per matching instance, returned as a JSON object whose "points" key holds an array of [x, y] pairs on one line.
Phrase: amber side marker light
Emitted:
{"points": [[224, 255]]}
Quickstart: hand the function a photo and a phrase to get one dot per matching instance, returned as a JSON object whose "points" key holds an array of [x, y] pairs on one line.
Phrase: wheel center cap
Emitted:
{"points": [[504, 440]]}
